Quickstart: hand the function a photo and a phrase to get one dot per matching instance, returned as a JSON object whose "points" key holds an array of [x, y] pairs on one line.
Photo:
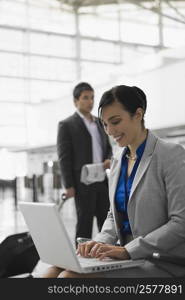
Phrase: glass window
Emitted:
{"points": [[12, 90], [12, 114], [40, 91], [52, 45], [11, 39], [14, 67], [41, 67], [100, 51], [107, 27], [13, 13]]}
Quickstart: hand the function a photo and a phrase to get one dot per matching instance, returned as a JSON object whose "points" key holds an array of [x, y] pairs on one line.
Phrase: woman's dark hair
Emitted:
{"points": [[131, 97], [81, 87]]}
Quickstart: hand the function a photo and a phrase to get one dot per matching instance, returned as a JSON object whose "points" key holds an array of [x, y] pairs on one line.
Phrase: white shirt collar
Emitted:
{"points": [[80, 114], [83, 117]]}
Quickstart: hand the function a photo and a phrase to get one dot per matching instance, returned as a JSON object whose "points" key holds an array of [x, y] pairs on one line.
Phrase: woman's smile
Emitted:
{"points": [[118, 138]]}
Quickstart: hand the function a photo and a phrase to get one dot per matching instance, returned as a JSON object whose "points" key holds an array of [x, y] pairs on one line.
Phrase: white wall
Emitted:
{"points": [[165, 90]]}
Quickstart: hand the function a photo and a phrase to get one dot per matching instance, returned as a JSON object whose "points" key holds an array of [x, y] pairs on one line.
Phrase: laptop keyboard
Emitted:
{"points": [[85, 261]]}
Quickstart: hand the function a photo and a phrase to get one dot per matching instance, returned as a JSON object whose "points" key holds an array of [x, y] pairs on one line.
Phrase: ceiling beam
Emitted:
{"points": [[86, 3], [175, 9], [155, 10]]}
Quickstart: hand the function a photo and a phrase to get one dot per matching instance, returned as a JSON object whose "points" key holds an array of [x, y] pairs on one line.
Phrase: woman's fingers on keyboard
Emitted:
{"points": [[103, 249], [85, 248], [96, 249]]}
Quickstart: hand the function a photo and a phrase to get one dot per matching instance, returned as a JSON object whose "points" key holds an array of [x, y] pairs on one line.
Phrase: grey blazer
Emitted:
{"points": [[156, 206]]}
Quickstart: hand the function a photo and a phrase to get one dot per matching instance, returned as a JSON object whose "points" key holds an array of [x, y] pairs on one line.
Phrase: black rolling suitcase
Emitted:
{"points": [[18, 255]]}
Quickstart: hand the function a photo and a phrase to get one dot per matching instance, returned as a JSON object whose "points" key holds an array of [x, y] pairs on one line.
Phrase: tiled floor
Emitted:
{"points": [[12, 221]]}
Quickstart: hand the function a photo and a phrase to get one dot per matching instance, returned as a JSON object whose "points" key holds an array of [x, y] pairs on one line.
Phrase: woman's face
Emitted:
{"points": [[119, 124]]}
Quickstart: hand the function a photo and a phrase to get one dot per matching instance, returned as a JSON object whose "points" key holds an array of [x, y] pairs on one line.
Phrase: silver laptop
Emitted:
{"points": [[54, 245]]}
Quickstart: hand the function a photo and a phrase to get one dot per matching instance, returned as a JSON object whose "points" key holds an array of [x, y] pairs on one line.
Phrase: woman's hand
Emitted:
{"points": [[100, 250], [86, 249], [111, 251]]}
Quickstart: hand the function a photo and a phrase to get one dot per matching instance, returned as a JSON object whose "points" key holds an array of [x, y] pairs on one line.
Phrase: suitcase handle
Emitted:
{"points": [[63, 197]]}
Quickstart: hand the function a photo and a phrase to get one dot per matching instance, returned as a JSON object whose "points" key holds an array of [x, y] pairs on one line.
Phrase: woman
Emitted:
{"points": [[146, 190]]}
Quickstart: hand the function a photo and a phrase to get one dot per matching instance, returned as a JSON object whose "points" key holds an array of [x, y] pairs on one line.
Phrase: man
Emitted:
{"points": [[81, 140]]}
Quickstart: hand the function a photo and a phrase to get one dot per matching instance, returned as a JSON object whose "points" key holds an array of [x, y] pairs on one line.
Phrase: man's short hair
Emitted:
{"points": [[80, 87]]}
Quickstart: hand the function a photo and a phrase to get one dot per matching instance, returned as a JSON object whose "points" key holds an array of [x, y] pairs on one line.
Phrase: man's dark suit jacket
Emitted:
{"points": [[74, 146]]}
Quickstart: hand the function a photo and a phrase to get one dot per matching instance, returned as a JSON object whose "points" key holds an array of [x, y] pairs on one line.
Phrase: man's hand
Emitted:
{"points": [[106, 164], [70, 192]]}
